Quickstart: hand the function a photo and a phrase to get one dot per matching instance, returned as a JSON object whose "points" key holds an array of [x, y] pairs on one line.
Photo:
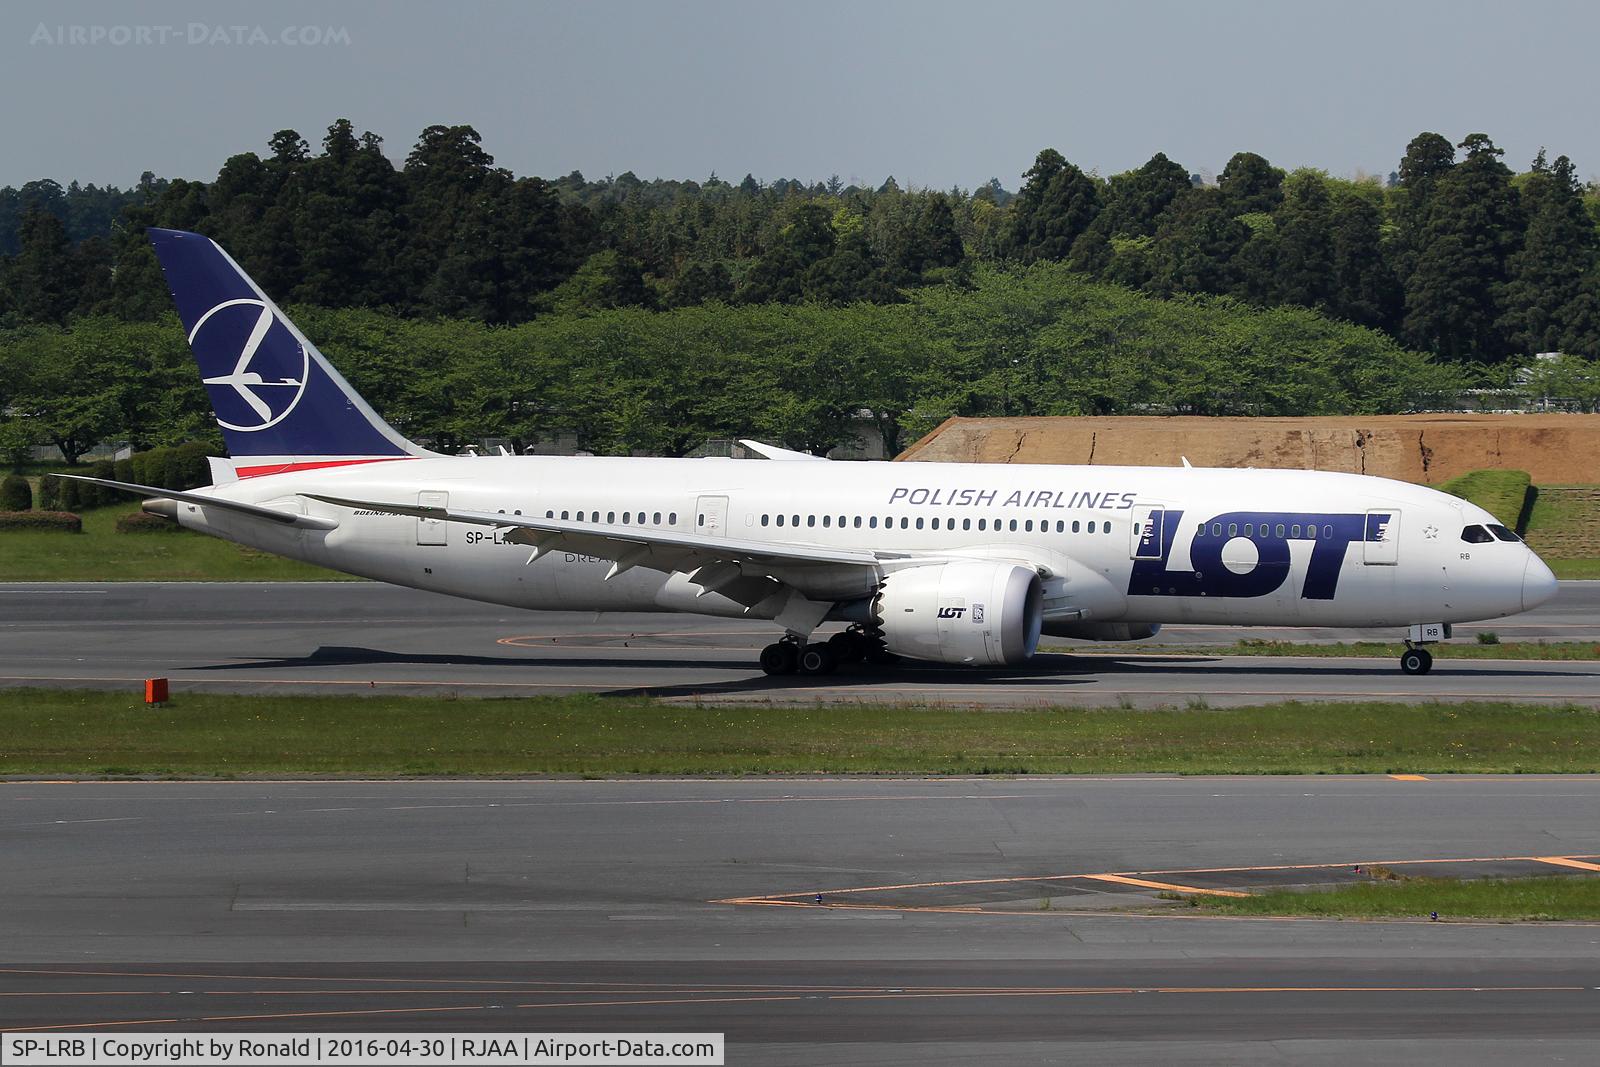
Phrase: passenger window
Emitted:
{"points": [[1294, 531], [563, 514], [794, 520], [780, 520], [1249, 529], [858, 522], [580, 516], [966, 524], [983, 524], [905, 523], [1091, 526], [872, 522], [1233, 529], [672, 519], [1216, 529], [1028, 526], [1476, 535], [1503, 534], [548, 514], [1280, 530], [1013, 524], [763, 520], [841, 521], [827, 520], [1077, 527], [936, 522], [919, 522]]}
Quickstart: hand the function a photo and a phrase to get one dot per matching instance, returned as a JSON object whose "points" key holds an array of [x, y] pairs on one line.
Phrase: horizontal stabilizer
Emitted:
{"points": [[255, 511], [782, 454]]}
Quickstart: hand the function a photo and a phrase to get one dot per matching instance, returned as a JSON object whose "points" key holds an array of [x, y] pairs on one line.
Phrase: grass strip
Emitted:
{"points": [[1545, 898], [100, 554], [1519, 650], [1575, 570], [80, 732]]}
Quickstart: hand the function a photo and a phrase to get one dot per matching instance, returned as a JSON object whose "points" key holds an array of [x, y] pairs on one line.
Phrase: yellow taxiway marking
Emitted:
{"points": [[1410, 777], [1563, 861], [1171, 886]]}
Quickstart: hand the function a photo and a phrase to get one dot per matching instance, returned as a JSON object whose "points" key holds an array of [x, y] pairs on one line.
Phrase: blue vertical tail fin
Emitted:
{"points": [[280, 404]]}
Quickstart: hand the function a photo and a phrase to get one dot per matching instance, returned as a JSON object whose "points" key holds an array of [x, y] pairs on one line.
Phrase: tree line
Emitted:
{"points": [[1015, 340], [1455, 255]]}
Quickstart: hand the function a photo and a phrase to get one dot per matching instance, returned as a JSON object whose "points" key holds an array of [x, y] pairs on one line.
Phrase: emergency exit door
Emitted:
{"points": [[711, 515]]}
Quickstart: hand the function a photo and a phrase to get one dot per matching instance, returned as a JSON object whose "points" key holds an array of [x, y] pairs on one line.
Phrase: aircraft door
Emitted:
{"points": [[1381, 544], [432, 531], [711, 516], [1147, 532]]}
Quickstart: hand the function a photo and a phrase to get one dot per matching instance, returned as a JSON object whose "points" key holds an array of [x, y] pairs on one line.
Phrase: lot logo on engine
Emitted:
{"points": [[952, 613]]}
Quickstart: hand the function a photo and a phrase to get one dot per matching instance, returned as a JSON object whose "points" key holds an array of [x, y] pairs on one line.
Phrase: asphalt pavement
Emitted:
{"points": [[350, 637]]}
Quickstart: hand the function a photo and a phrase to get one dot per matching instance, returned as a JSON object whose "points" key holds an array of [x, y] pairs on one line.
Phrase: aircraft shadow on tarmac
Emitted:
{"points": [[1049, 668]]}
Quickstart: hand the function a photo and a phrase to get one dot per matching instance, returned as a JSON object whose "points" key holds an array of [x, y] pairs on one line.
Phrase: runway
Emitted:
{"points": [[365, 637], [993, 923]]}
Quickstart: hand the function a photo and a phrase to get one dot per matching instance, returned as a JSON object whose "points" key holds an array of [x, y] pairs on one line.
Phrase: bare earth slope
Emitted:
{"points": [[1414, 448]]}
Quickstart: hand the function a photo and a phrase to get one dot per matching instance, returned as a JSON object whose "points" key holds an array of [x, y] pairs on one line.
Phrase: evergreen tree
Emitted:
{"points": [[1472, 225], [1304, 246], [1364, 289], [1250, 184], [1057, 203], [1545, 308], [1196, 245]]}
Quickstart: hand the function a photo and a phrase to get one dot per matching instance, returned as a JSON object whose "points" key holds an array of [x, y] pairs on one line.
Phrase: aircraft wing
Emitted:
{"points": [[254, 511], [741, 569]]}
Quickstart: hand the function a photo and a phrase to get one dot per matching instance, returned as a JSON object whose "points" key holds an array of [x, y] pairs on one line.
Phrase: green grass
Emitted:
{"points": [[1500, 493], [1575, 569], [1523, 650], [1549, 897], [100, 554], [86, 732]]}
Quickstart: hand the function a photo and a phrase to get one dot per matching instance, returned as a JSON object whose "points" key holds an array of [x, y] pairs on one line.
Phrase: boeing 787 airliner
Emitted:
{"points": [[955, 563]]}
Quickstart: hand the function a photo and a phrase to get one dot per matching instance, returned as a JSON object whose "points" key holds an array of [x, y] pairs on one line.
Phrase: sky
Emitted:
{"points": [[934, 93]]}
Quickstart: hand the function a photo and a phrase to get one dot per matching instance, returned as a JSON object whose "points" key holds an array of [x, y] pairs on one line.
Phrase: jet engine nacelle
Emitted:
{"points": [[1103, 631], [978, 612]]}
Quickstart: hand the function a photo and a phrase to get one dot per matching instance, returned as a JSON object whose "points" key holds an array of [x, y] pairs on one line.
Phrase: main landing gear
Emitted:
{"points": [[794, 655]]}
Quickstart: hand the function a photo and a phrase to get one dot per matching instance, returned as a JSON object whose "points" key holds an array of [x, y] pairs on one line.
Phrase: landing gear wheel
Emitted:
{"points": [[849, 646], [1416, 661], [817, 658], [780, 657]]}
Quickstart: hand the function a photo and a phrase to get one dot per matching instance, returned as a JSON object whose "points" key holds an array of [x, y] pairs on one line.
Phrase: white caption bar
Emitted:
{"points": [[358, 1050]]}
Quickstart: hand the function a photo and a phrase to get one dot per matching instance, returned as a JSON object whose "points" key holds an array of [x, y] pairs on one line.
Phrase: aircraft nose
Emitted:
{"points": [[1538, 583]]}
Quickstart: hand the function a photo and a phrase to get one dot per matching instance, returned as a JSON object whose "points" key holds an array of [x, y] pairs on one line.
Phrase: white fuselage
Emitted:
{"points": [[1118, 544]]}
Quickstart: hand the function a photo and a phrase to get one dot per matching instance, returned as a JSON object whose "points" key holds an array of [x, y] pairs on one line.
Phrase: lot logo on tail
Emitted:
{"points": [[254, 367]]}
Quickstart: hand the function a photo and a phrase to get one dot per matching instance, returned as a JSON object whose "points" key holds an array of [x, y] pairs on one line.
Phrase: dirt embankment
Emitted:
{"points": [[1554, 449]]}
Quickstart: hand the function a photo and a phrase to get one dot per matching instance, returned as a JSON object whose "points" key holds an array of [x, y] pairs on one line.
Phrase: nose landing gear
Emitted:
{"points": [[1416, 659]]}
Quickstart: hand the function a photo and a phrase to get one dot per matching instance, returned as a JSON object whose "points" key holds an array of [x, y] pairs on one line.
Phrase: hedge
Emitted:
{"points": [[62, 521], [138, 522], [15, 494]]}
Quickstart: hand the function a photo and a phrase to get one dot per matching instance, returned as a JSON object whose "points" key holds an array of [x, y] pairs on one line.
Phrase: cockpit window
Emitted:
{"points": [[1503, 534], [1476, 535]]}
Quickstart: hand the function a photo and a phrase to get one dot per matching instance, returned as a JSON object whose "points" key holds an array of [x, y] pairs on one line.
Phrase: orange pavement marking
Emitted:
{"points": [[1562, 861], [1125, 880], [1410, 777]]}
